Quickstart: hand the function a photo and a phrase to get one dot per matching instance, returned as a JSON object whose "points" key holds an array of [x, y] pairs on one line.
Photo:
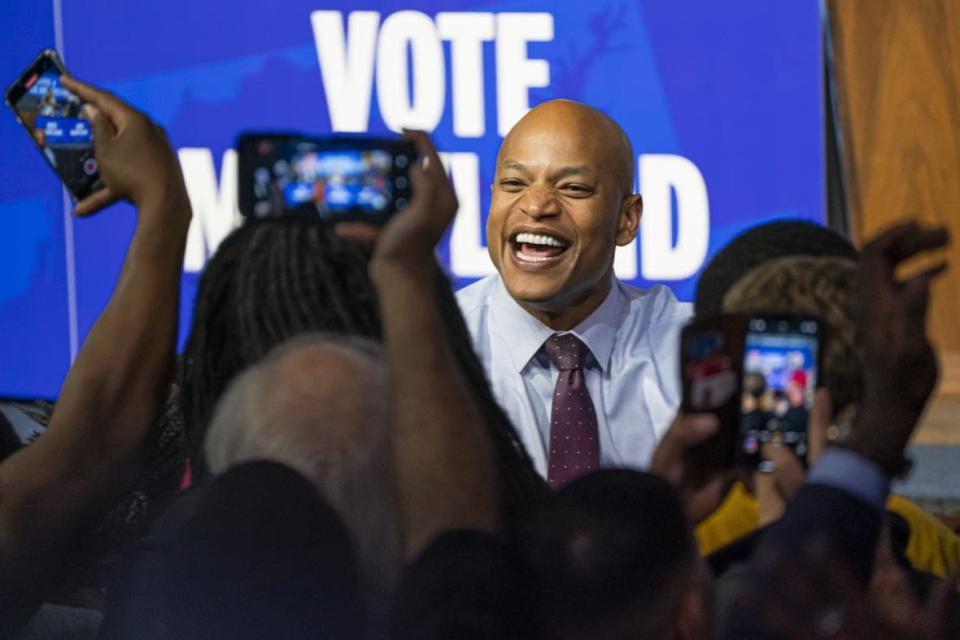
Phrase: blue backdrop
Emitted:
{"points": [[722, 103]]}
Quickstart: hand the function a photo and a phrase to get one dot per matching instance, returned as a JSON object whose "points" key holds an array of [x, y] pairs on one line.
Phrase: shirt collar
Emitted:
{"points": [[525, 335]]}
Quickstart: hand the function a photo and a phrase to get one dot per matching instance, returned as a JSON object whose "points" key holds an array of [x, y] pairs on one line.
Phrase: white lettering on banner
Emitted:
{"points": [[410, 42], [661, 175], [468, 255], [399, 108], [516, 74], [346, 65], [215, 214], [467, 32], [215, 211]]}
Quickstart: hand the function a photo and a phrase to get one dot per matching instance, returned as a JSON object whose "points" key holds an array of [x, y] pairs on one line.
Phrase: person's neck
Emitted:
{"points": [[568, 317]]}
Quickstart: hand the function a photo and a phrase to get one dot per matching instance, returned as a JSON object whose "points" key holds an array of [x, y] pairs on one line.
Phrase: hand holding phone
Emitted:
{"points": [[52, 116], [339, 179], [757, 373], [136, 161]]}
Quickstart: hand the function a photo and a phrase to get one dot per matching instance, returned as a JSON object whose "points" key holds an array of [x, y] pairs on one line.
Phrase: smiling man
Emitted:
{"points": [[586, 366]]}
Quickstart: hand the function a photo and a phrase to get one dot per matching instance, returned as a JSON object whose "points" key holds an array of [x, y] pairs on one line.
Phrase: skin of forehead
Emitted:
{"points": [[578, 119]]}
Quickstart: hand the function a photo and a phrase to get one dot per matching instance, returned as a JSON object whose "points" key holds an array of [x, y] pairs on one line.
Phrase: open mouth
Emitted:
{"points": [[538, 247]]}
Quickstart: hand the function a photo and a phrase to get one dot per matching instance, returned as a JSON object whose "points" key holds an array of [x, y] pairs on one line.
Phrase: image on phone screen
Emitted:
{"points": [[306, 177], [779, 380], [52, 116]]}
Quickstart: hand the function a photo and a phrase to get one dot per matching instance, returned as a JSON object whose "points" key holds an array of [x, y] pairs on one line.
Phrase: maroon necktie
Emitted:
{"points": [[574, 441]]}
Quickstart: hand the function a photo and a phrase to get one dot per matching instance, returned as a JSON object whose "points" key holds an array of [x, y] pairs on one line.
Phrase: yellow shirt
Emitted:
{"points": [[932, 547]]}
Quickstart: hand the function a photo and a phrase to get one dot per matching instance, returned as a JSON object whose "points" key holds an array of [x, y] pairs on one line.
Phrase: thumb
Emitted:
{"points": [[103, 129], [788, 472]]}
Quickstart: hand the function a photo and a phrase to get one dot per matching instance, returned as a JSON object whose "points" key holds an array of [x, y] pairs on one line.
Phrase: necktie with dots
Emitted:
{"points": [[574, 441]]}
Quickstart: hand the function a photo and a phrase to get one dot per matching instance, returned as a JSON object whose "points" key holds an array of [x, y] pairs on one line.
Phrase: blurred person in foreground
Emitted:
{"points": [[440, 461], [809, 576], [53, 492], [824, 287], [794, 266]]}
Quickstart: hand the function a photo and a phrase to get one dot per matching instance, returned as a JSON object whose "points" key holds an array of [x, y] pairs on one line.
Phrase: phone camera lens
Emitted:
{"points": [[401, 161], [400, 203], [401, 182]]}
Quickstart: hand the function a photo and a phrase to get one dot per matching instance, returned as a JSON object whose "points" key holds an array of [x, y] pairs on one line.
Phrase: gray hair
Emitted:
{"points": [[319, 403]]}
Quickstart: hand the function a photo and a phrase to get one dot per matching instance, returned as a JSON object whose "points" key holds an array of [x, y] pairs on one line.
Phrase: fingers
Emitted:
{"points": [[693, 429], [914, 240], [821, 415], [788, 472], [103, 128], [114, 108], [95, 202], [431, 159], [685, 432]]}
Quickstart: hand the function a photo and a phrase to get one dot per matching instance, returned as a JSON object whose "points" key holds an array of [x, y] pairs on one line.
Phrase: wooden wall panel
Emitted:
{"points": [[897, 73]]}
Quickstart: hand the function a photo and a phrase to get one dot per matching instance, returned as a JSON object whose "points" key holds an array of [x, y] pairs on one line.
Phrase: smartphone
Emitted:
{"points": [[711, 361], [334, 178], [51, 116], [780, 366], [758, 374], [21, 422]]}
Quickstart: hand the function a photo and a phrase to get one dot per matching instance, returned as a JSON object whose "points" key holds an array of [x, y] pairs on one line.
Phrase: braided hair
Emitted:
{"points": [[274, 279], [520, 487], [269, 281]]}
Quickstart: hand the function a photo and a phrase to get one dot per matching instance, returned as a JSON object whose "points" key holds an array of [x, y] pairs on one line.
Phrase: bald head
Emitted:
{"points": [[319, 404], [595, 127]]}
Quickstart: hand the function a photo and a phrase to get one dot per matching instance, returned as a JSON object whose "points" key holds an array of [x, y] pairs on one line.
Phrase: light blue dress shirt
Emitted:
{"points": [[633, 371]]}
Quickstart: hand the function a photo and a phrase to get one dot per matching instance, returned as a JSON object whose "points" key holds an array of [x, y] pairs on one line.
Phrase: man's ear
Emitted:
{"points": [[630, 213]]}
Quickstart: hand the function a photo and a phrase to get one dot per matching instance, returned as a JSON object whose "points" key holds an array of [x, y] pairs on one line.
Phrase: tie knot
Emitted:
{"points": [[566, 351]]}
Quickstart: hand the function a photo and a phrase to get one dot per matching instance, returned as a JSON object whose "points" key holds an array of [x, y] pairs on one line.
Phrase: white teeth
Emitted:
{"points": [[522, 256], [537, 238]]}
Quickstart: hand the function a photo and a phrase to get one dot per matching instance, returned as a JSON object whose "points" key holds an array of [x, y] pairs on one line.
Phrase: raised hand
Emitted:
{"points": [[900, 367], [135, 160], [412, 234], [670, 463]]}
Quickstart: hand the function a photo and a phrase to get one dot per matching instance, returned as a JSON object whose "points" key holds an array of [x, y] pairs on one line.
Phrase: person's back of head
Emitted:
{"points": [[758, 245], [269, 281], [613, 557], [320, 405], [821, 286]]}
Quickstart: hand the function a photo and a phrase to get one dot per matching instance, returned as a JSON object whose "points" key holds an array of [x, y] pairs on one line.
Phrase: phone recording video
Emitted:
{"points": [[758, 374], [51, 114], [779, 381], [356, 179]]}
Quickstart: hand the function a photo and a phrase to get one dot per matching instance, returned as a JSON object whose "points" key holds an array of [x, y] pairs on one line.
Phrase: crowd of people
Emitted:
{"points": [[348, 449]]}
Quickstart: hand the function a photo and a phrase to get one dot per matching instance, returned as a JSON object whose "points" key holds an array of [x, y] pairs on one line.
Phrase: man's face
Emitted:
{"points": [[555, 212]]}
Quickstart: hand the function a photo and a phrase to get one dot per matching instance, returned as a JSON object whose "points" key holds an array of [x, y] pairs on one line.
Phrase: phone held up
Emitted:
{"points": [[51, 116], [758, 374], [333, 178]]}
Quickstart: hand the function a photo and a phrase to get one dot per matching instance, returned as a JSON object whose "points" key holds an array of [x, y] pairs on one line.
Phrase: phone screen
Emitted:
{"points": [[51, 115], [334, 179], [779, 381]]}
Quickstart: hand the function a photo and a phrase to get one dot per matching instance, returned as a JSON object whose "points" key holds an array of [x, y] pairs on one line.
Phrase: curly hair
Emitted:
{"points": [[817, 285]]}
